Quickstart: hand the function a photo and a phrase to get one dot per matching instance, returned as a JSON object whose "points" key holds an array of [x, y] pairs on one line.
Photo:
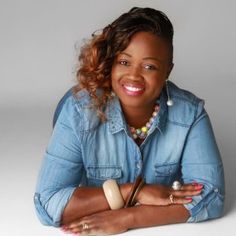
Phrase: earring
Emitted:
{"points": [[113, 94], [169, 100]]}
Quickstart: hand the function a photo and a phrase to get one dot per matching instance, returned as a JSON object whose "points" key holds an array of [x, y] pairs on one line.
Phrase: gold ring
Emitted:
{"points": [[85, 226], [171, 197]]}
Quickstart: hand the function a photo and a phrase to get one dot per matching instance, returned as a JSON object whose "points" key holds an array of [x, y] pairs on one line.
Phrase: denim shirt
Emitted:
{"points": [[83, 151]]}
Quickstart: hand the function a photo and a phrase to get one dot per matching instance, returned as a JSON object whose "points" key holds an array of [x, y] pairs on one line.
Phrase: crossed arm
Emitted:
{"points": [[154, 209]]}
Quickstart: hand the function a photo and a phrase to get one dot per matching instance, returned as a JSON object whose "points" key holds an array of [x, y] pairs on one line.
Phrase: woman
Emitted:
{"points": [[125, 135]]}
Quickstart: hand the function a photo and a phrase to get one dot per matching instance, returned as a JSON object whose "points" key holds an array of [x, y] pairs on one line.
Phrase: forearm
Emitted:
{"points": [[150, 212], [88, 200], [147, 216]]}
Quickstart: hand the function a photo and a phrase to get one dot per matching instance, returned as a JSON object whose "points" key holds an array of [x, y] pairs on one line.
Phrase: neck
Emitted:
{"points": [[138, 117]]}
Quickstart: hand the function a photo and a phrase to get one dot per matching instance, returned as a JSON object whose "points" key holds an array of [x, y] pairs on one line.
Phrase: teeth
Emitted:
{"points": [[133, 89]]}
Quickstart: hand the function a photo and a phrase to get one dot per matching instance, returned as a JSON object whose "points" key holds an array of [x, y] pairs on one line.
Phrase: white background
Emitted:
{"points": [[39, 42]]}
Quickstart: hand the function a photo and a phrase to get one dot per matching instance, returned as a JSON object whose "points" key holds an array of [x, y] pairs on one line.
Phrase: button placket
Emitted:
{"points": [[139, 162]]}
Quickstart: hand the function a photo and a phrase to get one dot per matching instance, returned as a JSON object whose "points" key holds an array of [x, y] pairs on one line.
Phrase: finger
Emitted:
{"points": [[91, 229], [74, 224], [78, 227], [81, 228], [192, 186], [178, 200], [186, 193], [79, 222], [65, 229]]}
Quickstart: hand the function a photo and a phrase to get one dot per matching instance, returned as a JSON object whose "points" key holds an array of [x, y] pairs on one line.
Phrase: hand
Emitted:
{"points": [[103, 223], [160, 195]]}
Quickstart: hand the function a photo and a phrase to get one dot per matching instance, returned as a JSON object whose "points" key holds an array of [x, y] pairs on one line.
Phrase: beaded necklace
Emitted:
{"points": [[143, 131]]}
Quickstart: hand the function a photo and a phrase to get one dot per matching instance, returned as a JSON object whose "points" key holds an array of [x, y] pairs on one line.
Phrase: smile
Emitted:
{"points": [[133, 90]]}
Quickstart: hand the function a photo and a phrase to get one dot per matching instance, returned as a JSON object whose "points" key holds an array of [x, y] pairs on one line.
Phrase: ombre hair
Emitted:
{"points": [[97, 56]]}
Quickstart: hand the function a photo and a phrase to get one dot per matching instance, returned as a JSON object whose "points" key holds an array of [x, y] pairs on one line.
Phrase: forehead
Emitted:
{"points": [[146, 44]]}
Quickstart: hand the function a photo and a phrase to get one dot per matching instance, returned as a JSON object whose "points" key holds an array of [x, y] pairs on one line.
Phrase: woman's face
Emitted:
{"points": [[139, 72]]}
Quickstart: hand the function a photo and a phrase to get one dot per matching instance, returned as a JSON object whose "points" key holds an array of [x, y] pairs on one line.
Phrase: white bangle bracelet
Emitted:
{"points": [[112, 194]]}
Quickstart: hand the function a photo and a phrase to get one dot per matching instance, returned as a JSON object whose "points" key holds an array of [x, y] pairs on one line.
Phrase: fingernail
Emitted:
{"points": [[64, 228], [188, 198], [199, 186]]}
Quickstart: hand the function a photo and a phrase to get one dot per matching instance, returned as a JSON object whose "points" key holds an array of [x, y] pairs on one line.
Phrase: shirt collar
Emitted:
{"points": [[160, 120], [116, 120]]}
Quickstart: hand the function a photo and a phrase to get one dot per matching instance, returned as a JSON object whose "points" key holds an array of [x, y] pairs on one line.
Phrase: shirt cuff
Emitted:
{"points": [[50, 210]]}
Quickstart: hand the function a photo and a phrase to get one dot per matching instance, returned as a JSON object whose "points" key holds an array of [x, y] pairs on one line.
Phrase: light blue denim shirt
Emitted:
{"points": [[85, 152]]}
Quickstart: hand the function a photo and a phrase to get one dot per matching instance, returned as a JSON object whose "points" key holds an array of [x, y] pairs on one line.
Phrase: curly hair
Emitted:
{"points": [[97, 56]]}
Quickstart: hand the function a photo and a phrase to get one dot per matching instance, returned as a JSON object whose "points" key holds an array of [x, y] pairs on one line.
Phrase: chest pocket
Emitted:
{"points": [[96, 175], [166, 174]]}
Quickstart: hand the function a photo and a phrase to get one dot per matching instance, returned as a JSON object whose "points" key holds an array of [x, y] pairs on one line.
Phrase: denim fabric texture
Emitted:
{"points": [[83, 151]]}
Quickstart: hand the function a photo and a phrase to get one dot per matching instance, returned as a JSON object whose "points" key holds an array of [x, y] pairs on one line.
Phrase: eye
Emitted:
{"points": [[123, 62], [149, 67]]}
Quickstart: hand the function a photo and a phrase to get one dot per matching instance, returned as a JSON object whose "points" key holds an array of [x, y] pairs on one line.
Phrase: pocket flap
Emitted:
{"points": [[103, 172], [166, 170]]}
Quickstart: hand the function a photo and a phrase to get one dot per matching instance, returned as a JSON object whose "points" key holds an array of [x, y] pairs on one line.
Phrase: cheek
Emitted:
{"points": [[114, 78], [115, 74], [157, 87]]}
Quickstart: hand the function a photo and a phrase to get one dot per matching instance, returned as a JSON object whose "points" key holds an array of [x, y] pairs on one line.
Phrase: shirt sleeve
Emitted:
{"points": [[62, 168], [201, 163]]}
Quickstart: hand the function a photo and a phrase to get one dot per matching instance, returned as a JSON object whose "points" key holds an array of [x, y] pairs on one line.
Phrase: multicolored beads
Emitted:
{"points": [[143, 131]]}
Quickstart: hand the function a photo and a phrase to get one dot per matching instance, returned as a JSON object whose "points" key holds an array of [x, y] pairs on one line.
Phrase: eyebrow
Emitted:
{"points": [[153, 58], [145, 58], [127, 54]]}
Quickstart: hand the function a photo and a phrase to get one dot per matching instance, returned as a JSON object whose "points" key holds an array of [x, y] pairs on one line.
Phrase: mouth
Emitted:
{"points": [[133, 90]]}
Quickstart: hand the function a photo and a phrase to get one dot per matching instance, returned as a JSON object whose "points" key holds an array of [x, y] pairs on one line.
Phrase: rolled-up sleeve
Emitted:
{"points": [[201, 163], [62, 168]]}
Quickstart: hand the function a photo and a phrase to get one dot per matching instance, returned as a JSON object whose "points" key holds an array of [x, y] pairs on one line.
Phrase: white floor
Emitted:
{"points": [[24, 133]]}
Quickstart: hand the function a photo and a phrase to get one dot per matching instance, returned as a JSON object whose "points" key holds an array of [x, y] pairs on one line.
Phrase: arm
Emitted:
{"points": [[62, 169], [60, 196], [156, 210], [118, 221], [81, 205], [147, 216], [201, 162], [86, 201]]}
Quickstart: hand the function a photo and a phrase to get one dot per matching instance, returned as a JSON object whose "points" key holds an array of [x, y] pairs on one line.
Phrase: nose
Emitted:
{"points": [[135, 73]]}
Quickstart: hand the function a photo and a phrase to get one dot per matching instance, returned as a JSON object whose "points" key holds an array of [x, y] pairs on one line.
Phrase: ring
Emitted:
{"points": [[171, 197], [176, 185], [85, 226]]}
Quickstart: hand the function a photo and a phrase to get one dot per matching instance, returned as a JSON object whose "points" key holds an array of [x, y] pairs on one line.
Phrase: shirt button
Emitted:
{"points": [[138, 166], [216, 190]]}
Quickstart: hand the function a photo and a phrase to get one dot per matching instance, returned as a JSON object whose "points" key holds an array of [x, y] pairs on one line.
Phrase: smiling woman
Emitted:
{"points": [[124, 134]]}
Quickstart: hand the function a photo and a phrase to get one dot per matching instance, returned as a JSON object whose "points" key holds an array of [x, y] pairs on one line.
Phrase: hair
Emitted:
{"points": [[98, 54]]}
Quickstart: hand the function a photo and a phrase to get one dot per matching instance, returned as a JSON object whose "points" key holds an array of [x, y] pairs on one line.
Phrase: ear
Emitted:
{"points": [[169, 69]]}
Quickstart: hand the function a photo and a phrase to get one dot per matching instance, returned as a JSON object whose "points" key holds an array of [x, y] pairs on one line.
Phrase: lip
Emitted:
{"points": [[133, 90]]}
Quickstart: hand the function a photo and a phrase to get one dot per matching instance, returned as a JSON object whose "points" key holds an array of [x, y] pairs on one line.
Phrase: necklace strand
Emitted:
{"points": [[143, 131]]}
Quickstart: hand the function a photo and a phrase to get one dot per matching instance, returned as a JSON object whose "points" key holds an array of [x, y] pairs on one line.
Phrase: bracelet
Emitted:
{"points": [[136, 187], [113, 194], [141, 184]]}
